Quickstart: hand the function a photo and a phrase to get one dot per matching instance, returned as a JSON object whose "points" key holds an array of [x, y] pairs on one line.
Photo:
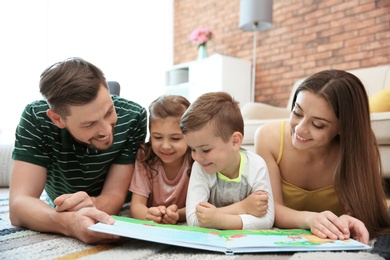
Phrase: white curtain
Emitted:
{"points": [[131, 41]]}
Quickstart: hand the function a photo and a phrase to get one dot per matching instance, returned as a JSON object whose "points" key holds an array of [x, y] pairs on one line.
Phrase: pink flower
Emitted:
{"points": [[201, 35]]}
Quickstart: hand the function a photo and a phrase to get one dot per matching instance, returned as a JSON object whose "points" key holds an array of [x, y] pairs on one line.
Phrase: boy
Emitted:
{"points": [[223, 175]]}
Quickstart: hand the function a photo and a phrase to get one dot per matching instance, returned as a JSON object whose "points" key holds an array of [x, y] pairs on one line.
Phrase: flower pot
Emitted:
{"points": [[202, 51]]}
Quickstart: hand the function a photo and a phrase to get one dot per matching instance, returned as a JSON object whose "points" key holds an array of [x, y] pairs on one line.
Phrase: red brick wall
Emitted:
{"points": [[306, 37]]}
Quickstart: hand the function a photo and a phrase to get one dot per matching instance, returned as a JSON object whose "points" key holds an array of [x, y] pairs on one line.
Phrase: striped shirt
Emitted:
{"points": [[72, 166]]}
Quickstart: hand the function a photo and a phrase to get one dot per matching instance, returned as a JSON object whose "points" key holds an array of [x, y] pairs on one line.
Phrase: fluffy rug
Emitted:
{"points": [[19, 243]]}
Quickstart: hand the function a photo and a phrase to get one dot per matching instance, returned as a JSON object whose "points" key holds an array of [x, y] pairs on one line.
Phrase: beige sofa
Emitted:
{"points": [[374, 79], [255, 114]]}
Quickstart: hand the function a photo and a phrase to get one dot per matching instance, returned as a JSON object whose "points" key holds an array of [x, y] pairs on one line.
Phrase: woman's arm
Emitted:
{"points": [[324, 224], [267, 143]]}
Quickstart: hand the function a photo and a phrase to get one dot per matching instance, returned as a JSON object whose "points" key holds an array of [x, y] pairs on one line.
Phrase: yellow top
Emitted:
{"points": [[316, 200]]}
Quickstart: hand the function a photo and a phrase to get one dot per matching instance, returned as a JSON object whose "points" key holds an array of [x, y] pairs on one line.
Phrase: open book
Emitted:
{"points": [[226, 241]]}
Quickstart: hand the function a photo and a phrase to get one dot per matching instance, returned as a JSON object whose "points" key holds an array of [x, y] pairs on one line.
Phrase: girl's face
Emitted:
{"points": [[167, 140], [312, 121]]}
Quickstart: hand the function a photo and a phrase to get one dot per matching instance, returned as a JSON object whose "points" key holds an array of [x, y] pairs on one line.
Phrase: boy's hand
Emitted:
{"points": [[207, 215], [256, 203]]}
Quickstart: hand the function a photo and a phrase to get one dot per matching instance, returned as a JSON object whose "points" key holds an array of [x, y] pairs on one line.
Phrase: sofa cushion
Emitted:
{"points": [[250, 127], [380, 123], [380, 102], [5, 164], [256, 114], [257, 110]]}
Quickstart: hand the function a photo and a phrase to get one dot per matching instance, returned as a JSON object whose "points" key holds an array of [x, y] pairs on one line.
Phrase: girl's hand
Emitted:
{"points": [[171, 216], [156, 214]]}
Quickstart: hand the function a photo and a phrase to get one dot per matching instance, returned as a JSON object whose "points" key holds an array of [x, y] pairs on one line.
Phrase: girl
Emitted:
{"points": [[162, 170]]}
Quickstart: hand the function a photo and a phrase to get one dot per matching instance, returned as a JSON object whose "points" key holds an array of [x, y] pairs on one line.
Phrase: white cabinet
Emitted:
{"points": [[215, 73]]}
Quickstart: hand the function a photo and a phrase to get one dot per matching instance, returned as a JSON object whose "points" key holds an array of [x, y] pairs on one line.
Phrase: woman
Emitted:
{"points": [[324, 164]]}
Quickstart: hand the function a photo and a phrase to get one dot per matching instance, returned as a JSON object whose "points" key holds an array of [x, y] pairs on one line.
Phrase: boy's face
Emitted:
{"points": [[92, 123], [213, 153]]}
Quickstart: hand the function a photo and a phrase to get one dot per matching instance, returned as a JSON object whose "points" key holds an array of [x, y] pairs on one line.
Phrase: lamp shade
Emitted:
{"points": [[255, 15]]}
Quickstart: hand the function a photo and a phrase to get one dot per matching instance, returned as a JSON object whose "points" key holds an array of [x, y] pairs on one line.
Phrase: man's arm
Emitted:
{"points": [[27, 210], [115, 188], [110, 199]]}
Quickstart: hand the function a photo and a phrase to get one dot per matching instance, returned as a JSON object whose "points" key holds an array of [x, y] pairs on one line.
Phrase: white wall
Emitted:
{"points": [[131, 41]]}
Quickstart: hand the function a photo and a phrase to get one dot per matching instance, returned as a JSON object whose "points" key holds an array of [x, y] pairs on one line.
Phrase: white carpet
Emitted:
{"points": [[16, 243]]}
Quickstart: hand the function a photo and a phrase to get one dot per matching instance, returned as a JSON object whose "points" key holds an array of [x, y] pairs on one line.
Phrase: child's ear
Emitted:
{"points": [[56, 118], [237, 139]]}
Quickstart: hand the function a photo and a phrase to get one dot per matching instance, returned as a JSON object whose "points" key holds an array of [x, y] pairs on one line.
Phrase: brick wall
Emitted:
{"points": [[306, 36]]}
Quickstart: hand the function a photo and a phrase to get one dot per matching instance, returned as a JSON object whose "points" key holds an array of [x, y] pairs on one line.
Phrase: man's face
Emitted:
{"points": [[93, 123]]}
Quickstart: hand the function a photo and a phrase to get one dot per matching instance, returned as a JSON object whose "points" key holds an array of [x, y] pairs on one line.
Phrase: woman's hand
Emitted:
{"points": [[357, 228], [327, 225]]}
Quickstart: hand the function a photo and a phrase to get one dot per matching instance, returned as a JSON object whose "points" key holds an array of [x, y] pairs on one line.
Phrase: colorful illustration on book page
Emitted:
{"points": [[238, 238]]}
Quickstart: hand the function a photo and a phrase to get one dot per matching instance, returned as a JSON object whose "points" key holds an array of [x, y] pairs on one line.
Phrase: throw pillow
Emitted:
{"points": [[380, 102]]}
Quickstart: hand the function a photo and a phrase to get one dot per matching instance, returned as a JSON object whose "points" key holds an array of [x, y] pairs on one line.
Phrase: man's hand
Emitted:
{"points": [[73, 202], [80, 221]]}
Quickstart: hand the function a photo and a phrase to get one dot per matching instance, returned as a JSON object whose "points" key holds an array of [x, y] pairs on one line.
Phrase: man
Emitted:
{"points": [[79, 144]]}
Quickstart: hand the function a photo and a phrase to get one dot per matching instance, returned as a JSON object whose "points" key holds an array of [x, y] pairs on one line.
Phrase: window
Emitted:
{"points": [[131, 41]]}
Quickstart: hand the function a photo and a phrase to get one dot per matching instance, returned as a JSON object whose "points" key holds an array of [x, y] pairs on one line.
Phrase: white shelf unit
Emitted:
{"points": [[214, 73]]}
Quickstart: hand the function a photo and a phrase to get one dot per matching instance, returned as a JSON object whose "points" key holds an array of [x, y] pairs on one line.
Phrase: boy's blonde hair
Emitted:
{"points": [[216, 108]]}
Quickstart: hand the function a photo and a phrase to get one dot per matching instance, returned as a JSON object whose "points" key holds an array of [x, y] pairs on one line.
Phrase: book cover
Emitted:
{"points": [[226, 241]]}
